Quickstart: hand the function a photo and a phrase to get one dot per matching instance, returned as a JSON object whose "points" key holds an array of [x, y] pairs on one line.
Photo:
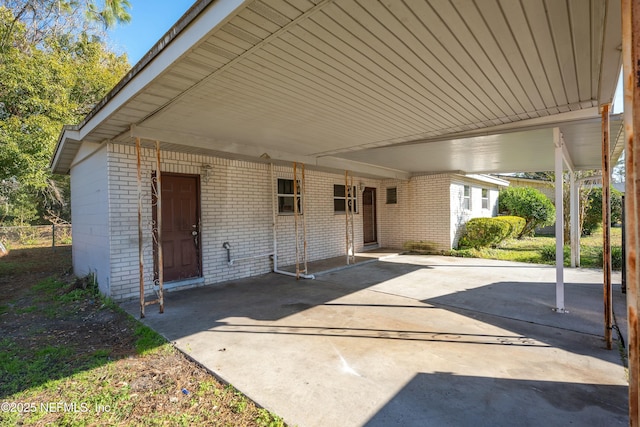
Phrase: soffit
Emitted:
{"points": [[327, 78]]}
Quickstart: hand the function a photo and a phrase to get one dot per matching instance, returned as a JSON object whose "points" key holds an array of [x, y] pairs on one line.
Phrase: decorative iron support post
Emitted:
{"points": [[140, 243], [606, 228], [352, 211], [346, 215], [295, 217], [304, 221], [349, 208], [631, 69], [159, 228]]}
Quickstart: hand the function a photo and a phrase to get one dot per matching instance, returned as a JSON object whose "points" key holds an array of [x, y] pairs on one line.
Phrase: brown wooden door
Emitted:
{"points": [[180, 227], [369, 215]]}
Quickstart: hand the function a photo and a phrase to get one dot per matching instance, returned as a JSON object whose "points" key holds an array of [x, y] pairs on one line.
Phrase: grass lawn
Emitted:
{"points": [[541, 250], [69, 357]]}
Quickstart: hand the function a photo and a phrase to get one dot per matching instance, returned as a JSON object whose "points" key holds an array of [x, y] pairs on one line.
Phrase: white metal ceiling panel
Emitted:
{"points": [[340, 77]]}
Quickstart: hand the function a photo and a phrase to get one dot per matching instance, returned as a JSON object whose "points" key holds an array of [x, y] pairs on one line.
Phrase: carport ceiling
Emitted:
{"points": [[409, 86]]}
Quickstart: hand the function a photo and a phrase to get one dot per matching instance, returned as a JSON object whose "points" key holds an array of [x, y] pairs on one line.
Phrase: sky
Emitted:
{"points": [[150, 19]]}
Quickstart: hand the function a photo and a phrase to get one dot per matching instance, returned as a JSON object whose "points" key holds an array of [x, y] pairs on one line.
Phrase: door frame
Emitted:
{"points": [[154, 217], [374, 203]]}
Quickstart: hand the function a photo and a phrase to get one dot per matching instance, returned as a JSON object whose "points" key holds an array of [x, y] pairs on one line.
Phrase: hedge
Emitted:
{"points": [[528, 203], [516, 225], [481, 232]]}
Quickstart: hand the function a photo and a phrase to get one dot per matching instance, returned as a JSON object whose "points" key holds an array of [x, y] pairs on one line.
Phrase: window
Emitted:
{"points": [[340, 201], [285, 196], [466, 200], [392, 195], [485, 198]]}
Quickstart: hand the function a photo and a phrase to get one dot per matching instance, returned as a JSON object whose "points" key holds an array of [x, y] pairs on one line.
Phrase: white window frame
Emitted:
{"points": [[466, 197], [485, 198], [286, 195], [346, 198], [394, 200]]}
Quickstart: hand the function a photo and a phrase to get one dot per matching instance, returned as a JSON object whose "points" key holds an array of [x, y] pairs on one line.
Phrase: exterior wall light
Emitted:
{"points": [[205, 172]]}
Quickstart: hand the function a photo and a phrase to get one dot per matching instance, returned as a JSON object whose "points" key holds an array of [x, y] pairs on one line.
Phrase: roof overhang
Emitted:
{"points": [[382, 88]]}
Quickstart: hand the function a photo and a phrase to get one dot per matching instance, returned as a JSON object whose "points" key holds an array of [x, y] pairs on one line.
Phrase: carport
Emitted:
{"points": [[409, 341], [391, 89]]}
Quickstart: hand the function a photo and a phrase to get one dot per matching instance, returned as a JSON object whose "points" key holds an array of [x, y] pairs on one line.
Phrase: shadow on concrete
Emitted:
{"points": [[268, 297], [524, 308], [482, 401], [454, 337], [517, 306], [393, 321]]}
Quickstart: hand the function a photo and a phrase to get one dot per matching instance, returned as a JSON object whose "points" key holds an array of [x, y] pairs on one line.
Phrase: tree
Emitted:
{"points": [[45, 82], [527, 203], [593, 215], [618, 170], [43, 19], [583, 199]]}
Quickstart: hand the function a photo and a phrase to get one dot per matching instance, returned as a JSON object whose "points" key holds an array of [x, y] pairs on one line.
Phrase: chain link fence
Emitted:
{"points": [[36, 235]]}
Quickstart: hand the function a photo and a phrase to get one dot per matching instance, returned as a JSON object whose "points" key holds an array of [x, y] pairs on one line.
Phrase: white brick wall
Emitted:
{"points": [[89, 214], [236, 207], [430, 208], [422, 211]]}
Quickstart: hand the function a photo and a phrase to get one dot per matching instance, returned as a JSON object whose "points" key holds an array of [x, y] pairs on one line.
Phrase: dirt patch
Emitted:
{"points": [[22, 268], [65, 344]]}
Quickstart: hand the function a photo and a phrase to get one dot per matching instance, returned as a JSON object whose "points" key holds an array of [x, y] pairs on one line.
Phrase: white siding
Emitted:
{"points": [[89, 214], [459, 215]]}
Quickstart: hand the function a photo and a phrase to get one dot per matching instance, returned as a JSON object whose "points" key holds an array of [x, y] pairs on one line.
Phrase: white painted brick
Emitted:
{"points": [[236, 207]]}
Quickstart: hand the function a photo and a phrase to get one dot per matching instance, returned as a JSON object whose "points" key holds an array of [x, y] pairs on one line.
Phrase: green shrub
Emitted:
{"points": [[527, 203], [548, 253], [616, 258], [593, 212], [466, 253], [481, 232], [421, 247], [516, 225]]}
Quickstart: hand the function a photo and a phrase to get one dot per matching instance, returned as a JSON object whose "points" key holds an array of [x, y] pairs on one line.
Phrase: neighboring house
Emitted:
{"points": [[545, 187], [620, 186], [224, 200]]}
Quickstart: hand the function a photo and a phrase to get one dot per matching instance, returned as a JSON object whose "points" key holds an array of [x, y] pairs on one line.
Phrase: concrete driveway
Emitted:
{"points": [[410, 341]]}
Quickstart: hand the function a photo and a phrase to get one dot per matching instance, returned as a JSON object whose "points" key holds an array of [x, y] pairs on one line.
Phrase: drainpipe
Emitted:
{"points": [[230, 261], [274, 215]]}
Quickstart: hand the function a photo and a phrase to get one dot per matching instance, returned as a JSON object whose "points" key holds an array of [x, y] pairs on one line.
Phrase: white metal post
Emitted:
{"points": [[574, 219], [557, 141]]}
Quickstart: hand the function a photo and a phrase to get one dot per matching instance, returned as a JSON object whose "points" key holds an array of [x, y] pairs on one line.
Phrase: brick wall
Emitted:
{"points": [[421, 211], [430, 208], [236, 207]]}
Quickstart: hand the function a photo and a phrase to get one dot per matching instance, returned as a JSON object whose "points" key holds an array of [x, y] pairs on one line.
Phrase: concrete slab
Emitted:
{"points": [[411, 340], [330, 265]]}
